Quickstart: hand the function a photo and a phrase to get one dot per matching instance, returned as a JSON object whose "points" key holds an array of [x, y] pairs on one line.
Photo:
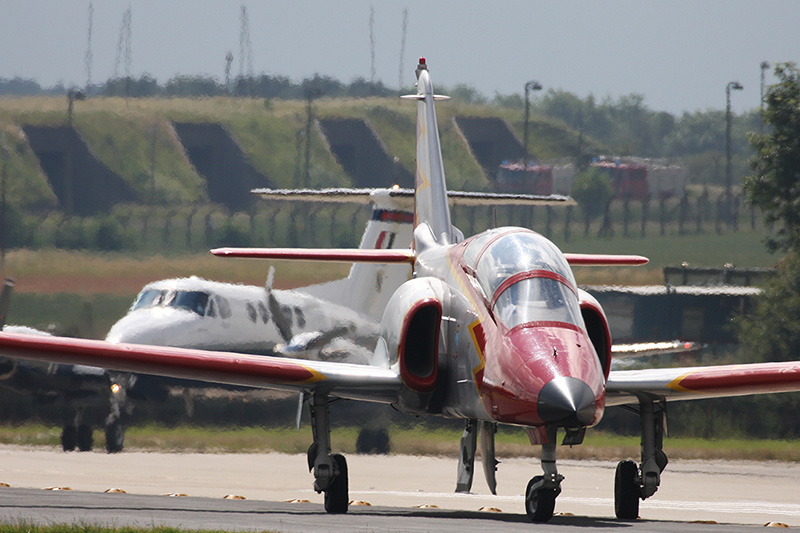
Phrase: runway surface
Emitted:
{"points": [[396, 487]]}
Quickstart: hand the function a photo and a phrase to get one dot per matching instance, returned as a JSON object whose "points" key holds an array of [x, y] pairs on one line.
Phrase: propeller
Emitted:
{"points": [[282, 321]]}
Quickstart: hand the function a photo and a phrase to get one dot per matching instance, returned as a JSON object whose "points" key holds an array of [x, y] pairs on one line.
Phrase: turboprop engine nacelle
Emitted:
{"points": [[410, 331]]}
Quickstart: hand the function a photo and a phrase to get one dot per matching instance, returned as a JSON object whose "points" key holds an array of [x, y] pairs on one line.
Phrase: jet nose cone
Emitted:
{"points": [[567, 402]]}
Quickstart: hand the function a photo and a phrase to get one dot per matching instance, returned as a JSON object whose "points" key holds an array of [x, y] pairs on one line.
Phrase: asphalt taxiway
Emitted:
{"points": [[403, 493]]}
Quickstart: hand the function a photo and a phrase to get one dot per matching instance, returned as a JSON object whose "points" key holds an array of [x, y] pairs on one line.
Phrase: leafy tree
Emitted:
{"points": [[593, 192], [775, 185], [770, 332]]}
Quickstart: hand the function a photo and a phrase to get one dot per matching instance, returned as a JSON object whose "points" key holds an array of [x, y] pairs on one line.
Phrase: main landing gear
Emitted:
{"points": [[634, 482], [330, 470], [466, 456]]}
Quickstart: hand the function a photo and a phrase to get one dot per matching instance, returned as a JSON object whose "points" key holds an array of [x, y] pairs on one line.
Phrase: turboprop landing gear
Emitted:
{"points": [[115, 431], [540, 496], [330, 470], [77, 435], [633, 483]]}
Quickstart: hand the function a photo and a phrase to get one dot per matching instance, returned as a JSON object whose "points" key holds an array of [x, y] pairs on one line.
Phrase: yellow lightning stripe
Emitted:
{"points": [[457, 274], [316, 376], [478, 348], [424, 181], [675, 384]]}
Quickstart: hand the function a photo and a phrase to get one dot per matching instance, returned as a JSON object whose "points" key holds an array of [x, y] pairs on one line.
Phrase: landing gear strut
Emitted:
{"points": [[115, 431], [77, 434], [633, 483], [466, 456], [330, 470], [540, 496]]}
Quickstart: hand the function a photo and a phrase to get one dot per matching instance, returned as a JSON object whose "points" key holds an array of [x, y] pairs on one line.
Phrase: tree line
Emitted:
{"points": [[625, 125]]}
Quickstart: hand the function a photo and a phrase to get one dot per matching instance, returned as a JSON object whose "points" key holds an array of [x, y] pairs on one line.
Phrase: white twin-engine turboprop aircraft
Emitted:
{"points": [[491, 329]]}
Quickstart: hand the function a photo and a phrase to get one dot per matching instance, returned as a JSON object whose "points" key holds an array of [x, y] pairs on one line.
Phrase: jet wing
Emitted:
{"points": [[361, 382], [341, 255], [695, 383]]}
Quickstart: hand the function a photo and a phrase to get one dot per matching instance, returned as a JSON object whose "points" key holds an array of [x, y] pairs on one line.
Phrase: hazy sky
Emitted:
{"points": [[679, 54]]}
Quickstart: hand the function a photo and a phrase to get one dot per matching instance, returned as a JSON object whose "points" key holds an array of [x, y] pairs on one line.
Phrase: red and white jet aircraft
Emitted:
{"points": [[491, 328]]}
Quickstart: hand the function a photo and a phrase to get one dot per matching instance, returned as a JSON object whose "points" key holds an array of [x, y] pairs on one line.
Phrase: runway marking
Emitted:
{"points": [[746, 507]]}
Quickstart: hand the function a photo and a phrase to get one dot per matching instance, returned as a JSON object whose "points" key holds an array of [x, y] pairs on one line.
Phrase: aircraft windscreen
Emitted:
{"points": [[195, 301], [527, 278], [537, 300], [515, 252], [149, 298]]}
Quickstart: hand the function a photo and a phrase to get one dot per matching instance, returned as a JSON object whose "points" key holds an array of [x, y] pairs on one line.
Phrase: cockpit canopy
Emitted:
{"points": [[524, 277], [199, 302]]}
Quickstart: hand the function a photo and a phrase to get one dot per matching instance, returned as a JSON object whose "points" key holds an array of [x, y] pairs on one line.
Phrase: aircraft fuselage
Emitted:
{"points": [[514, 345]]}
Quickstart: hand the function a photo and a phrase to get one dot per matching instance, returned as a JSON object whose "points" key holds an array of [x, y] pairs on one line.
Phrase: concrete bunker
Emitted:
{"points": [[362, 155], [82, 183], [491, 141], [219, 158]]}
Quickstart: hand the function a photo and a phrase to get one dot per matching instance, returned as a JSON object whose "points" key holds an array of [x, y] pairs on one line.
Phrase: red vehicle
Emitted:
{"points": [[521, 178], [628, 180]]}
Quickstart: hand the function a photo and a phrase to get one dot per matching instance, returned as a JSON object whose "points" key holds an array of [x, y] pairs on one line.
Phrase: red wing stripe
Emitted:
{"points": [[605, 260], [740, 377], [191, 364], [354, 255], [344, 380]]}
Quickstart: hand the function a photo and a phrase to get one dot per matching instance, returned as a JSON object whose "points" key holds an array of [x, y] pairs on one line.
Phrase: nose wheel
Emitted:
{"points": [[542, 491], [540, 500]]}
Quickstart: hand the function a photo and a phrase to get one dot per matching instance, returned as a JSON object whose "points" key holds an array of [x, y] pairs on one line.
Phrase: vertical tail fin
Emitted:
{"points": [[431, 207], [369, 286]]}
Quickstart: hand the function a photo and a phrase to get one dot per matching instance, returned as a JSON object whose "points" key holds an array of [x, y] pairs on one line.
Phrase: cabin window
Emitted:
{"points": [[211, 311], [301, 318], [251, 312], [262, 312], [224, 307]]}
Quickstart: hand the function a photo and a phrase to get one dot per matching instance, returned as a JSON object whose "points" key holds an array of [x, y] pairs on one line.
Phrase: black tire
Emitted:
{"points": [[540, 503], [115, 437], [85, 438], [69, 438], [626, 491], [337, 497]]}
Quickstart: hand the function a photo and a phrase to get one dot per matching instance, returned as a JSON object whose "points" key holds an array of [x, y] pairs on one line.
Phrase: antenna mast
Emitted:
{"points": [[403, 50], [88, 59], [372, 42], [245, 50]]}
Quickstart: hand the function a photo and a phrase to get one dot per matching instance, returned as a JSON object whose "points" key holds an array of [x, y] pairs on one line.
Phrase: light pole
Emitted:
{"points": [[764, 68], [311, 93], [529, 86], [736, 86]]}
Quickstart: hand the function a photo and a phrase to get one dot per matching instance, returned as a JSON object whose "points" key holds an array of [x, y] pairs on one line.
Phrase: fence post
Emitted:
{"points": [[645, 208]]}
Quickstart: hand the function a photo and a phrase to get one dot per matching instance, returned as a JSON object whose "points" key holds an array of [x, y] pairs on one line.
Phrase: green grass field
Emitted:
{"points": [[510, 442]]}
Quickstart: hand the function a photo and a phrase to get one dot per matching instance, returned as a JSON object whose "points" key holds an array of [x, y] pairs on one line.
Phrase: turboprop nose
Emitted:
{"points": [[566, 402]]}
